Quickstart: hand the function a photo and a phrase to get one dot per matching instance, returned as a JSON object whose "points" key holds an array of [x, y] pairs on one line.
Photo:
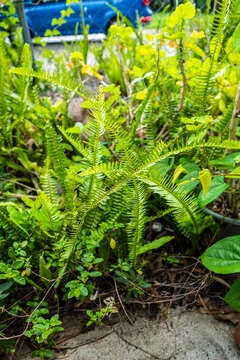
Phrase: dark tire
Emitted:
{"points": [[31, 33], [111, 22], [158, 6]]}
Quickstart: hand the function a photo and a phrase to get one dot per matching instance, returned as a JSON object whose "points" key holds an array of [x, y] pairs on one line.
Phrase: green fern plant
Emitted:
{"points": [[97, 181]]}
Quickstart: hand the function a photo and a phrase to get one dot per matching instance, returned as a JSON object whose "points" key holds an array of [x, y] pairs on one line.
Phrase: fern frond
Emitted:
{"points": [[57, 156], [60, 79], [204, 84], [141, 109], [136, 226], [102, 168], [205, 80], [159, 215], [98, 234], [10, 228], [220, 17], [49, 186], [76, 143], [47, 214], [222, 125], [163, 151], [170, 111], [186, 211]]}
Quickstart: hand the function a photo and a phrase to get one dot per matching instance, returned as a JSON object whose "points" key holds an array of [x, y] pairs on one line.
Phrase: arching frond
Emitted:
{"points": [[220, 17], [60, 79], [186, 211]]}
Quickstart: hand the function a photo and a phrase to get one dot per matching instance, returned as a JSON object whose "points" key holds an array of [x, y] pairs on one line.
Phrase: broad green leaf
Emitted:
{"points": [[189, 183], [233, 296], [190, 180], [236, 38], [235, 174], [205, 178], [95, 274], [44, 272], [217, 187], [160, 168], [224, 256], [3, 296], [83, 291], [5, 286], [154, 244], [189, 165], [20, 280], [222, 164], [228, 162]]}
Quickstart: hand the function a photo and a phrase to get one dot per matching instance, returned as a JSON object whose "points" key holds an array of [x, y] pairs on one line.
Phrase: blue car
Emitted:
{"points": [[97, 14]]}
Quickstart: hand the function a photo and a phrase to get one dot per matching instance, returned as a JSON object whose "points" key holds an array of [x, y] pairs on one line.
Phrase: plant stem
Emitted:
{"points": [[19, 5], [234, 120], [182, 70], [18, 196], [127, 84]]}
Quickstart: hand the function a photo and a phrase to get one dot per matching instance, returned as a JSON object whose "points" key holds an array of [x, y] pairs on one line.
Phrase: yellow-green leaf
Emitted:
{"points": [[205, 178], [188, 10], [112, 244], [178, 171], [137, 71], [141, 95]]}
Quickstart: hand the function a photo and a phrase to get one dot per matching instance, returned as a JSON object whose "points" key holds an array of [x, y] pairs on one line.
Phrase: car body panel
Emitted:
{"points": [[97, 14]]}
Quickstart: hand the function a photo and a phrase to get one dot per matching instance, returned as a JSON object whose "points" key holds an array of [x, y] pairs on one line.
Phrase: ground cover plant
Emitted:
{"points": [[77, 197]]}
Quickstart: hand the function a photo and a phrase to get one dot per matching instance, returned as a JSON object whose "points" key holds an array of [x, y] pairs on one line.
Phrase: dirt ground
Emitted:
{"points": [[182, 336]]}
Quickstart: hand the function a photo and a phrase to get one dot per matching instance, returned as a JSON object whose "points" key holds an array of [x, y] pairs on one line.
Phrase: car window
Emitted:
{"points": [[38, 2]]}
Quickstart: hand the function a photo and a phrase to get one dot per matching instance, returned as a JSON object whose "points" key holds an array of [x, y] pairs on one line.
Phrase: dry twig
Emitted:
{"points": [[120, 300]]}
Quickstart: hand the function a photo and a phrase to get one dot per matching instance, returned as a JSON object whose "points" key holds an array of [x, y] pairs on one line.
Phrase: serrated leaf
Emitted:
{"points": [[224, 256]]}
